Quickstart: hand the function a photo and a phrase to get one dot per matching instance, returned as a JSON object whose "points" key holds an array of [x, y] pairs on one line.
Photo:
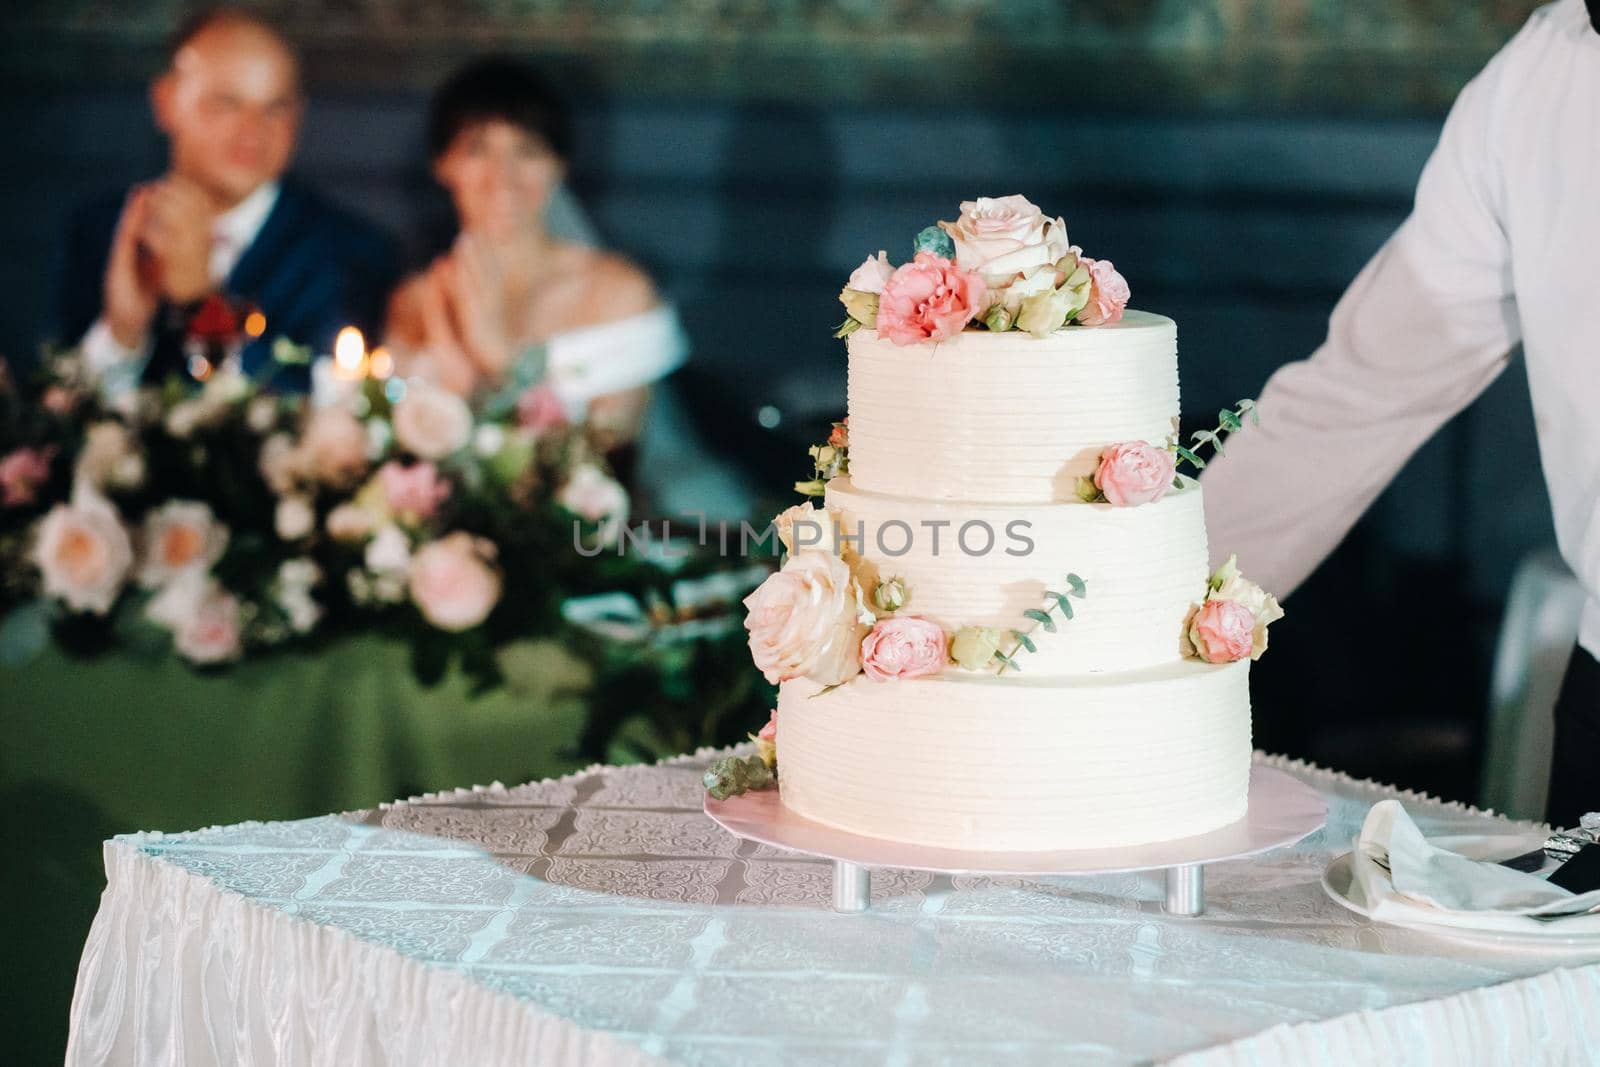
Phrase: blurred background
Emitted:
{"points": [[1238, 159]]}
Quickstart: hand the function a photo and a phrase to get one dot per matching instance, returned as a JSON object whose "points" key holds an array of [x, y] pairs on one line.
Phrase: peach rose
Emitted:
{"points": [[432, 423], [1108, 294], [22, 472], [180, 535], [203, 617], [1135, 472], [593, 495], [807, 620], [453, 581], [1222, 631], [413, 493], [540, 411], [333, 447], [904, 647], [1002, 237], [83, 553], [928, 299]]}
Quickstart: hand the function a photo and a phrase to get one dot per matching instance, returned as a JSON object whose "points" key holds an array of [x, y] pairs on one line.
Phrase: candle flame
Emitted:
{"points": [[349, 350], [382, 362]]}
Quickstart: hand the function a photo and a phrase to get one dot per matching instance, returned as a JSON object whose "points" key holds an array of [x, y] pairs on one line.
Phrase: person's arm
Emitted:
{"points": [[1423, 329]]}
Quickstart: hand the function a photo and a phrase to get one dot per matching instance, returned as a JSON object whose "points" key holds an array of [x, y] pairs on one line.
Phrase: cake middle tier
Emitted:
{"points": [[1007, 416], [986, 564]]}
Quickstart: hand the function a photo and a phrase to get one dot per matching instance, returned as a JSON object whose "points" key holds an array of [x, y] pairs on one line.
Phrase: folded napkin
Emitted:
{"points": [[1405, 878]]}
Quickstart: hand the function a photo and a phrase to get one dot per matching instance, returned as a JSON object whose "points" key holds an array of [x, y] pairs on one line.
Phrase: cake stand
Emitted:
{"points": [[1282, 810]]}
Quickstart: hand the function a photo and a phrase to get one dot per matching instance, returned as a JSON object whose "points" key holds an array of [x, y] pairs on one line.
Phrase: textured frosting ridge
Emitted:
{"points": [[1006, 416], [1002, 764]]}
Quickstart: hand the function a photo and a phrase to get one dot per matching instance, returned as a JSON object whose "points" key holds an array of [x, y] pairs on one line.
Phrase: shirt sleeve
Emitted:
{"points": [[1423, 329], [112, 366]]}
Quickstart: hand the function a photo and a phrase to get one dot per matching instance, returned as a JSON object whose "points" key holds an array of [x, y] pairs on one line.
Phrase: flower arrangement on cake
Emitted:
{"points": [[225, 520], [1002, 265]]}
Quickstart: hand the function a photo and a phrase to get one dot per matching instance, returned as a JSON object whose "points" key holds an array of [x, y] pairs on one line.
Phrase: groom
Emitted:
{"points": [[1499, 249], [222, 219]]}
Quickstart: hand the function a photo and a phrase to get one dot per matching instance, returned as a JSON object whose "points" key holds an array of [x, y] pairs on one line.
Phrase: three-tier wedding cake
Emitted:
{"points": [[999, 633]]}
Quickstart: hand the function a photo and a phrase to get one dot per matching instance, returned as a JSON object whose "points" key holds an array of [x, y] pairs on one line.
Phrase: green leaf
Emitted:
{"points": [[25, 632], [847, 327], [1189, 457], [1006, 662], [1203, 437], [1025, 641], [1042, 618], [1066, 608], [1229, 420], [1060, 598], [1078, 588]]}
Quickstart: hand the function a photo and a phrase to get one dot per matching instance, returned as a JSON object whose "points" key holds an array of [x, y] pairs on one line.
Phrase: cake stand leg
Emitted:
{"points": [[1186, 890], [852, 886]]}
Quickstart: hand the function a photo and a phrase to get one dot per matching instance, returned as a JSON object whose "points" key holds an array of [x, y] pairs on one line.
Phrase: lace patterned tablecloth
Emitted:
{"points": [[603, 918]]}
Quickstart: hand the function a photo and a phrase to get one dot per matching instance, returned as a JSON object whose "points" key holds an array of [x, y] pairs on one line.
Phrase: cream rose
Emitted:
{"points": [[334, 447], [1229, 584], [812, 521], [282, 465], [1002, 237], [294, 517], [807, 620], [432, 423], [106, 447], [453, 581], [83, 553], [593, 495], [179, 536]]}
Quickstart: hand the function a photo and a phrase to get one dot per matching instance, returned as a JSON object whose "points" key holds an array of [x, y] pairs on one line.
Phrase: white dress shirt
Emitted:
{"points": [[116, 366], [1503, 245]]}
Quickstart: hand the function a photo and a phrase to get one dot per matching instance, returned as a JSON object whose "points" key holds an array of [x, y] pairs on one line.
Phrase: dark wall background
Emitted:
{"points": [[1239, 160]]}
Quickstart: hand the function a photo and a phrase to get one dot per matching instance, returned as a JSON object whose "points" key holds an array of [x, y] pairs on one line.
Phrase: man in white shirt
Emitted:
{"points": [[222, 217], [1502, 246]]}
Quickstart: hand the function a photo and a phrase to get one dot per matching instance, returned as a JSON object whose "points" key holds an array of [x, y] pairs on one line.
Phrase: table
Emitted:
{"points": [[602, 918]]}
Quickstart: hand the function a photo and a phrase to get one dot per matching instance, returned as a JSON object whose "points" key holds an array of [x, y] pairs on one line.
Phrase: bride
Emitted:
{"points": [[511, 306]]}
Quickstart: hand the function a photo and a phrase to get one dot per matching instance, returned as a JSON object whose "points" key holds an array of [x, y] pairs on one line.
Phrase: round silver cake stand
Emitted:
{"points": [[1282, 810]]}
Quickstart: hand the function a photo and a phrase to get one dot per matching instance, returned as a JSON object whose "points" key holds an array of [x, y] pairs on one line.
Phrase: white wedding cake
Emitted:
{"points": [[1000, 633]]}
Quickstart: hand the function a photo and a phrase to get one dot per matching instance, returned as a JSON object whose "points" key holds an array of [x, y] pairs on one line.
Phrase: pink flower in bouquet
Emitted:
{"points": [[415, 492], [333, 447], [22, 472], [928, 299], [767, 740], [540, 411], [59, 400], [806, 621], [83, 553], [840, 436], [432, 423], [871, 276], [211, 634], [1135, 472], [592, 494], [453, 581], [904, 647], [178, 536], [1222, 631], [1108, 293]]}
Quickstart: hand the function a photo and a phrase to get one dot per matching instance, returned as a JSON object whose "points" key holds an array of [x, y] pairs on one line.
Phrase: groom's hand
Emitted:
{"points": [[132, 280], [178, 233]]}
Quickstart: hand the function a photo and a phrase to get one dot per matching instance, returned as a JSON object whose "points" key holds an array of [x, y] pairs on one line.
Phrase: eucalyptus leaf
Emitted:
{"points": [[1060, 598], [1078, 587], [1189, 457], [1229, 419], [1042, 618], [1025, 640]]}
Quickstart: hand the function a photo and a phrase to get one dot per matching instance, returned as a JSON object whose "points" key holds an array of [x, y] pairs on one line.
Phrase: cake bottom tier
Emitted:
{"points": [[1016, 764]]}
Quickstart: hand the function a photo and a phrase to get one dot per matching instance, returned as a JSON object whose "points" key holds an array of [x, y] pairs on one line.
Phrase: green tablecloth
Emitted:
{"points": [[97, 747]]}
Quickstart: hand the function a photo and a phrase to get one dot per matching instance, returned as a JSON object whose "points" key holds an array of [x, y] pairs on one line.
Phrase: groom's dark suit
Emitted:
{"points": [[312, 268]]}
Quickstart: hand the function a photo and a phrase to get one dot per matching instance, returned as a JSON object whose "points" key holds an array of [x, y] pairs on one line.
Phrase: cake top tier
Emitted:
{"points": [[1006, 417]]}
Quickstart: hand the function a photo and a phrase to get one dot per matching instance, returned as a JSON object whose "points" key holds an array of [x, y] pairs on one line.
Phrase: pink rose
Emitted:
{"points": [[83, 553], [904, 647], [871, 275], [1108, 293], [453, 581], [22, 472], [540, 410], [1135, 472], [333, 447], [767, 740], [928, 299], [839, 438], [415, 492], [769, 732], [179, 536], [432, 423], [211, 634], [594, 495], [805, 621], [59, 400], [1002, 237], [1222, 631]]}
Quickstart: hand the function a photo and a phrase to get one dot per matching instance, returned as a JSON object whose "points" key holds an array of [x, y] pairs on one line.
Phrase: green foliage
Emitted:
{"points": [[1054, 601], [1229, 421]]}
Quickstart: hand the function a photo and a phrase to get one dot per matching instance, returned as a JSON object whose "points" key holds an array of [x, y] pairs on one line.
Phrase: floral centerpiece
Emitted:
{"points": [[222, 521]]}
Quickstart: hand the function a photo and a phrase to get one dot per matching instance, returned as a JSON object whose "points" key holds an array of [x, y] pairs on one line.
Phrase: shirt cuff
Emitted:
{"points": [[112, 365]]}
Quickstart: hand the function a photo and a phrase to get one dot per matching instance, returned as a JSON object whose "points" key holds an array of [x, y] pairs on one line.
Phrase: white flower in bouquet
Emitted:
{"points": [[1228, 584], [813, 522], [432, 423], [179, 536], [389, 552], [109, 458], [488, 440], [202, 615], [349, 523], [261, 414], [184, 418], [594, 495], [334, 447], [83, 553], [453, 581], [294, 518], [296, 577], [283, 466], [807, 621]]}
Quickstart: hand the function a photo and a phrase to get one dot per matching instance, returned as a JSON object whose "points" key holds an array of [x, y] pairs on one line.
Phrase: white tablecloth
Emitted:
{"points": [[603, 919]]}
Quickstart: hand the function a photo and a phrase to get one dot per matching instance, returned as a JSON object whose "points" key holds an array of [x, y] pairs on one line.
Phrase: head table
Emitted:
{"points": [[604, 919]]}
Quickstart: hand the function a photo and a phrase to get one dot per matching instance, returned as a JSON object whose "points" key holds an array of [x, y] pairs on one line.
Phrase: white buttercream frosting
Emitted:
{"points": [[1006, 416]]}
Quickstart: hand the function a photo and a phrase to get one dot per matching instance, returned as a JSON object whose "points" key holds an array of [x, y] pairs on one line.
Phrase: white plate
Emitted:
{"points": [[1339, 882], [1282, 811]]}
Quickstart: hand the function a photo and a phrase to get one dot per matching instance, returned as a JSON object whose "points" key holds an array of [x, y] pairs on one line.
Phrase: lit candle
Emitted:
{"points": [[350, 354], [338, 380]]}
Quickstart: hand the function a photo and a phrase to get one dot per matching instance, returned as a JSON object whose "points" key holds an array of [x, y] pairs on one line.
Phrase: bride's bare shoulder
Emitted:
{"points": [[403, 320], [615, 287]]}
